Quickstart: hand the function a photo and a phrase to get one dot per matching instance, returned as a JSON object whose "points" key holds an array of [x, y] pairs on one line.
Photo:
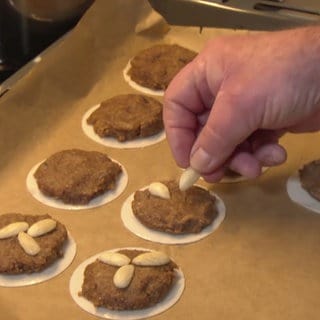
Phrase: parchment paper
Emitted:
{"points": [[262, 263]]}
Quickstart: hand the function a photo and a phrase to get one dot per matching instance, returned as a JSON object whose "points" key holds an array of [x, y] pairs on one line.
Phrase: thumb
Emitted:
{"points": [[231, 122]]}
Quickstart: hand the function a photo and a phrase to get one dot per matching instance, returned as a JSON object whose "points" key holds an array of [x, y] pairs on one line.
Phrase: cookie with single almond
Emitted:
{"points": [[184, 212]]}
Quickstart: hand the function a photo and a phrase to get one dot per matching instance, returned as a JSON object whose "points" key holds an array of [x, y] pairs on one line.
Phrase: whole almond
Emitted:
{"points": [[28, 244], [13, 229], [153, 258], [42, 227], [123, 276], [159, 189], [188, 178], [114, 259]]}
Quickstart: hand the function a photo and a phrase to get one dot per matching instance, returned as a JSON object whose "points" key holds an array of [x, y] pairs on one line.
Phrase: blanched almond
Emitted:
{"points": [[123, 276], [28, 244], [114, 259], [153, 258], [188, 178], [13, 229], [42, 227], [159, 189]]}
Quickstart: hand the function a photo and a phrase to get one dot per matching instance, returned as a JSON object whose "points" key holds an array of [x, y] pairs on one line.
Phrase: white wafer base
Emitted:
{"points": [[114, 143], [137, 86], [33, 188], [77, 279], [135, 226], [300, 196], [21, 280]]}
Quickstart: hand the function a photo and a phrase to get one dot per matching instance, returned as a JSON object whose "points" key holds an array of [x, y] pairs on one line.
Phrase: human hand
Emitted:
{"points": [[232, 103]]}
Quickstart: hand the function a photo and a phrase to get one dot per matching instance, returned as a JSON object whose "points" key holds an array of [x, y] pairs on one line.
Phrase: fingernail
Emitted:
{"points": [[278, 156], [202, 161], [271, 155]]}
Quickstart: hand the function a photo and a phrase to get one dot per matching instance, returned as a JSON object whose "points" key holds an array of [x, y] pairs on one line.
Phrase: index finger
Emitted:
{"points": [[187, 97]]}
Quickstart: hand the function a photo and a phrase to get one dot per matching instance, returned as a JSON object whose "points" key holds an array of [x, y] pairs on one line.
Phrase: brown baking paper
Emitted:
{"points": [[262, 263]]}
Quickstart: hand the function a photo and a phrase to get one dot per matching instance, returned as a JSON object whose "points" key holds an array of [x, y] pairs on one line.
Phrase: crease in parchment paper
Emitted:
{"points": [[152, 24]]}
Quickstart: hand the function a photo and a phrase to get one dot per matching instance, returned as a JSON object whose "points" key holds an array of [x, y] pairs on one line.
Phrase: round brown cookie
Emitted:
{"points": [[77, 176], [150, 284], [185, 212], [126, 117], [310, 178], [155, 67], [14, 260]]}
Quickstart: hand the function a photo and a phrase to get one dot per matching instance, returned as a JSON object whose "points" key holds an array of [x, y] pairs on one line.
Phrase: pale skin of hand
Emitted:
{"points": [[232, 103]]}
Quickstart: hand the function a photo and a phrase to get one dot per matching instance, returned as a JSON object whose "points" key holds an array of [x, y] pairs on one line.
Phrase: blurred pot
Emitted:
{"points": [[50, 10], [27, 27]]}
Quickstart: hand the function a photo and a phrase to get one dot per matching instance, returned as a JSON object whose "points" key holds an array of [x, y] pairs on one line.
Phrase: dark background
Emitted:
{"points": [[22, 37]]}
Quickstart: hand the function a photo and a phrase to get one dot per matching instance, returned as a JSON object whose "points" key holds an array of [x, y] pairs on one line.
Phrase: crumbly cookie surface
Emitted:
{"points": [[14, 260], [126, 117], [185, 212], [155, 67], [310, 178], [148, 286], [77, 176]]}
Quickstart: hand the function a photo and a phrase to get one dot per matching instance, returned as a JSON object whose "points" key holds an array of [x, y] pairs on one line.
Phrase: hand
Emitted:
{"points": [[232, 103]]}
